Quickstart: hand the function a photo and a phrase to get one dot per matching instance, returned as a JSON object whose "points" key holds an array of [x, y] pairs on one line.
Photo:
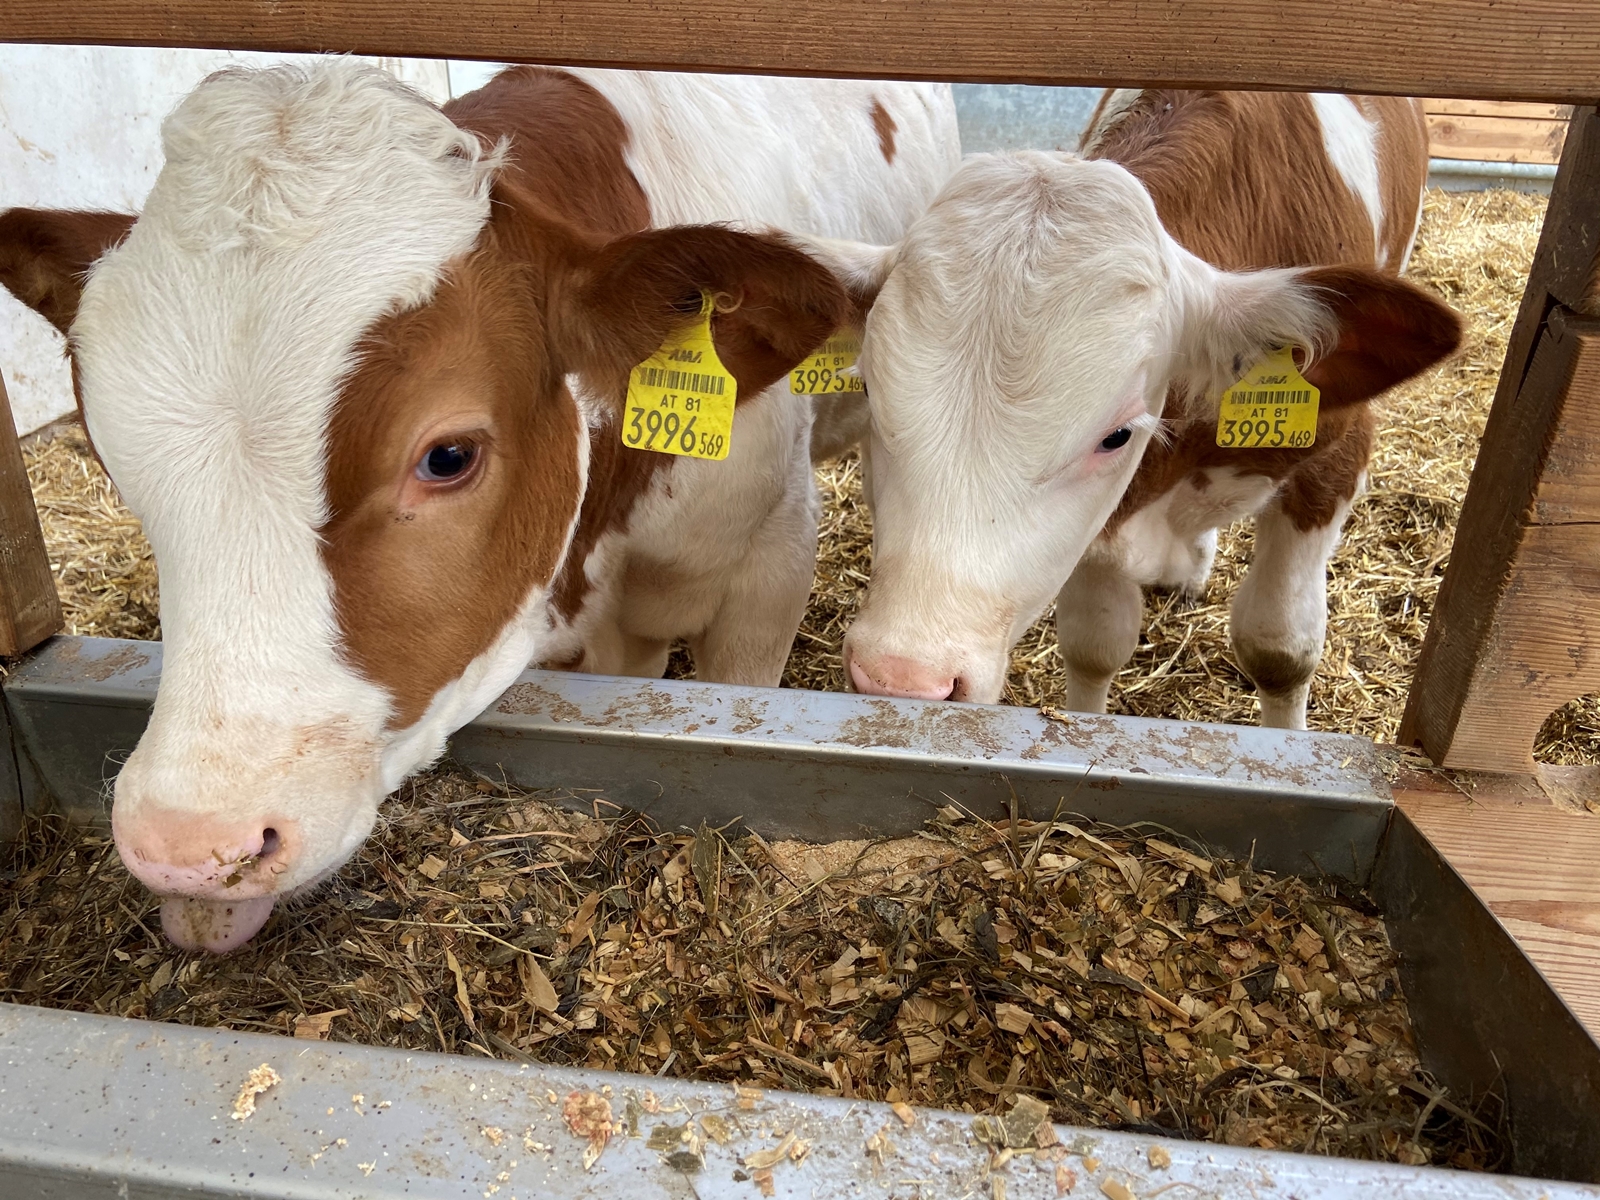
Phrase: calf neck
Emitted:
{"points": [[1044, 354]]}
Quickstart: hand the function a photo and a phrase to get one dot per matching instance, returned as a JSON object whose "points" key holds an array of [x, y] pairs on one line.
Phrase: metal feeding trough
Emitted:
{"points": [[104, 1106]]}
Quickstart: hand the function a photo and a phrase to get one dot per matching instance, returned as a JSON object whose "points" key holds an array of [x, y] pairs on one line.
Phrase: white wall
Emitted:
{"points": [[80, 128]]}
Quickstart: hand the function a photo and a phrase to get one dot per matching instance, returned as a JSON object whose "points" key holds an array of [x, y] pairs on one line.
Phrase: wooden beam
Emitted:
{"points": [[30, 610], [1516, 630], [1532, 50]]}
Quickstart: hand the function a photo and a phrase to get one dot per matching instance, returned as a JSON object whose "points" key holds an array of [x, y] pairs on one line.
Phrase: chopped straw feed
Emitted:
{"points": [[1115, 976]]}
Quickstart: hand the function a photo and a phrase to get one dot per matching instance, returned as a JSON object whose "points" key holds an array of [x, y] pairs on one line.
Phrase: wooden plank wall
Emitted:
{"points": [[1496, 131]]}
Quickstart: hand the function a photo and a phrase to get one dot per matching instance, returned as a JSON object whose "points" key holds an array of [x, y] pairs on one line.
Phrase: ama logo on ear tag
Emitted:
{"points": [[681, 398]]}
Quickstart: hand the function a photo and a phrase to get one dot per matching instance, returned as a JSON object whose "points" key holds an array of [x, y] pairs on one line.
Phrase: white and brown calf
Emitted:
{"points": [[358, 366], [1044, 354]]}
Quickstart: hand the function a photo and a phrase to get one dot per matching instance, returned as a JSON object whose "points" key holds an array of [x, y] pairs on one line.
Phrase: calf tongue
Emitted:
{"points": [[214, 925]]}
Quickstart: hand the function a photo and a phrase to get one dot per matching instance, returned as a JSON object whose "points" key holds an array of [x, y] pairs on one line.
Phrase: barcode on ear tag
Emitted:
{"points": [[681, 398], [1272, 408], [828, 371]]}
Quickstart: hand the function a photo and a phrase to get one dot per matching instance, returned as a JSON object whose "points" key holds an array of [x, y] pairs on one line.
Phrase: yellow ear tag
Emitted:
{"points": [[680, 399], [1272, 407], [828, 370]]}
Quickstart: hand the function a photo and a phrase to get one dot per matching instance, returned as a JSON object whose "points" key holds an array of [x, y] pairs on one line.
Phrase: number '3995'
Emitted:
{"points": [[1261, 432]]}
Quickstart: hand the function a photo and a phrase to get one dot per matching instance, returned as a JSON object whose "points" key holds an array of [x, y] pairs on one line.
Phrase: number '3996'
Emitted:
{"points": [[652, 429]]}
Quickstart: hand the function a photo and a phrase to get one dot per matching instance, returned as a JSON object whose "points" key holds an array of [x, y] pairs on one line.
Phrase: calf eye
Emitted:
{"points": [[1117, 440], [446, 461]]}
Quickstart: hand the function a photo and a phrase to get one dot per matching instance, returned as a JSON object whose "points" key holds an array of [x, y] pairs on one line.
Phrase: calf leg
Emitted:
{"points": [[645, 657], [1098, 614], [748, 639], [1280, 614]]}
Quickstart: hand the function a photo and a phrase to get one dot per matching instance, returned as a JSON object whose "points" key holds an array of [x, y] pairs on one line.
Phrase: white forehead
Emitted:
{"points": [[295, 207], [1032, 275]]}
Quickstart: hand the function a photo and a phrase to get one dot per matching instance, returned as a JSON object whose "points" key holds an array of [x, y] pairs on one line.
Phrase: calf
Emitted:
{"points": [[359, 367], [1044, 354]]}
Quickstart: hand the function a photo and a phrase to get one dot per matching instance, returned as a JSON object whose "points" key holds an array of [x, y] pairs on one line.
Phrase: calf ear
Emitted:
{"points": [[1367, 331], [860, 267], [1384, 331], [45, 255], [774, 304]]}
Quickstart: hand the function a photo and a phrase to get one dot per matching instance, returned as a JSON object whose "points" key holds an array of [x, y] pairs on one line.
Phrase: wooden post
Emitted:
{"points": [[1516, 631], [30, 610]]}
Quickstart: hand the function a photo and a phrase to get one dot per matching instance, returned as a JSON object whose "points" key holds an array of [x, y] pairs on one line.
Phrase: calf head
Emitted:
{"points": [[346, 371], [1018, 349]]}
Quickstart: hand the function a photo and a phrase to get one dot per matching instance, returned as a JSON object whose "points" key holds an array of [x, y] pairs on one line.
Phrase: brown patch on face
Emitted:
{"points": [[886, 128], [424, 583], [422, 589]]}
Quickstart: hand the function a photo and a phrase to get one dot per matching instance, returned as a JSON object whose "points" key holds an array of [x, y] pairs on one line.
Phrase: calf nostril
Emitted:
{"points": [[269, 843]]}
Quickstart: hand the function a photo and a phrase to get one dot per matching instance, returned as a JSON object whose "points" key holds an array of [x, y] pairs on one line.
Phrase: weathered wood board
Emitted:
{"points": [[1496, 131], [1516, 629], [1532, 864], [30, 610], [1545, 50]]}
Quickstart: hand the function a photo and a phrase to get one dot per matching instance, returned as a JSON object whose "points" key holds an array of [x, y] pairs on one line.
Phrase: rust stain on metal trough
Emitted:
{"points": [[645, 704], [126, 659], [648, 703], [1214, 751], [751, 714], [886, 726]]}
